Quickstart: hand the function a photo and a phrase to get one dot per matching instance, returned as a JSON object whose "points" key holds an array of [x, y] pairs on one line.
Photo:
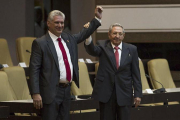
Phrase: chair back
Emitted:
{"points": [[5, 92], [23, 45], [5, 57], [85, 86], [159, 70], [18, 82], [144, 81]]}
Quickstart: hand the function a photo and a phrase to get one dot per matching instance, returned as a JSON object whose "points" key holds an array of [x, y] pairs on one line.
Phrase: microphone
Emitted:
{"points": [[1, 66], [28, 51], [161, 90]]}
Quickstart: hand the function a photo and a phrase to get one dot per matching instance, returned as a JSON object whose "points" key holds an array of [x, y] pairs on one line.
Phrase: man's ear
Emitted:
{"points": [[48, 23]]}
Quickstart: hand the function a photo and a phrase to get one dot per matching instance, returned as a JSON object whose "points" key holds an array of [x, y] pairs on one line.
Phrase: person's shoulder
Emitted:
{"points": [[41, 39], [65, 33]]}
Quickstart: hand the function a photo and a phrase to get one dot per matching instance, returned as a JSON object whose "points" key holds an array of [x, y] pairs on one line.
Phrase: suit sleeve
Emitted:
{"points": [[93, 50], [86, 32], [136, 75], [34, 68]]}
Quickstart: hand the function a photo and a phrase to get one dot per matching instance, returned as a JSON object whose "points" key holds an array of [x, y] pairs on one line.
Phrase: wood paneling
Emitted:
{"points": [[125, 2], [82, 11], [146, 37]]}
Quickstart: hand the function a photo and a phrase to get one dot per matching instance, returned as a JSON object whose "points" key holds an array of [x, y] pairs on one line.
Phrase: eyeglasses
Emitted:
{"points": [[116, 33]]}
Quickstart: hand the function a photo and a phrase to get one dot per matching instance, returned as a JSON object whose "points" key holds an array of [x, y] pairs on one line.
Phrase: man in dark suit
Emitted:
{"points": [[118, 74], [54, 64]]}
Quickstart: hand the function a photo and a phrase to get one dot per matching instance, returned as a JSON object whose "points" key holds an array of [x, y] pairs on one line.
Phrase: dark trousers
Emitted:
{"points": [[112, 111], [60, 107]]}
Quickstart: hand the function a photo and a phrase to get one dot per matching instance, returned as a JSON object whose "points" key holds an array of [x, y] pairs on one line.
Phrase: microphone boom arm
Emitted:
{"points": [[161, 90]]}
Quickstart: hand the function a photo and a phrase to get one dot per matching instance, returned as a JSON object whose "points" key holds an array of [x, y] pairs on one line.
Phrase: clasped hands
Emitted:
{"points": [[98, 14]]}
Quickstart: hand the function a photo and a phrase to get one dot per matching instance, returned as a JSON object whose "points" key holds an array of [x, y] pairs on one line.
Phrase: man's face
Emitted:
{"points": [[56, 25], [116, 35]]}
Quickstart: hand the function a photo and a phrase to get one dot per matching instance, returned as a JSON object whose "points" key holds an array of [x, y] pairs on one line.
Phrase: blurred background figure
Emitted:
{"points": [[39, 28]]}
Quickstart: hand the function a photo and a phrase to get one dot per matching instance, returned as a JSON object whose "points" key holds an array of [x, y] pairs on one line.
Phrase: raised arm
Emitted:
{"points": [[94, 24], [91, 49]]}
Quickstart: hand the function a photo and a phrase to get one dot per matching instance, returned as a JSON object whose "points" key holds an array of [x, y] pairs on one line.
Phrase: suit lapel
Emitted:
{"points": [[52, 49], [68, 43], [124, 55], [110, 52]]}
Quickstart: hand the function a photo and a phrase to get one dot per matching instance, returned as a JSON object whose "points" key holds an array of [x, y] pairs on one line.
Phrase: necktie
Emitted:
{"points": [[68, 70], [117, 56]]}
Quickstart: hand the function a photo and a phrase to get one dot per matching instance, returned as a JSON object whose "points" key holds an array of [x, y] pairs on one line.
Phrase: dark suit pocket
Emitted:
{"points": [[100, 78]]}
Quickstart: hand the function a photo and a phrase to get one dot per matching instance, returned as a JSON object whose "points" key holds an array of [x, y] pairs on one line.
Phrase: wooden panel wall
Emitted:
{"points": [[125, 2]]}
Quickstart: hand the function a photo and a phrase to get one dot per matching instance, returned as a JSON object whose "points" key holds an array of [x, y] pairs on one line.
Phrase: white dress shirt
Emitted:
{"points": [[62, 67], [88, 41]]}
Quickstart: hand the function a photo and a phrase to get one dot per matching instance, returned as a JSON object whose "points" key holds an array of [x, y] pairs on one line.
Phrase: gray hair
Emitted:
{"points": [[55, 13], [114, 25]]}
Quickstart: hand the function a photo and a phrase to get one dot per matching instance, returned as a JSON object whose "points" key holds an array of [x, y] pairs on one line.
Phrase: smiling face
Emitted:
{"points": [[56, 25], [116, 35]]}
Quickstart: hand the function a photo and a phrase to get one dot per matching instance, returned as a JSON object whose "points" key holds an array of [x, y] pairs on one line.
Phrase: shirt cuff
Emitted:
{"points": [[88, 40], [98, 19]]}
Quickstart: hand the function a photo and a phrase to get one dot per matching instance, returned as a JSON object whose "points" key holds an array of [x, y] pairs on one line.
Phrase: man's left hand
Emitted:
{"points": [[98, 12], [137, 101]]}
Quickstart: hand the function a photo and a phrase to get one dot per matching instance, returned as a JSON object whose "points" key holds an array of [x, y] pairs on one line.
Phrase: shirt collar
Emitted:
{"points": [[120, 45], [53, 37]]}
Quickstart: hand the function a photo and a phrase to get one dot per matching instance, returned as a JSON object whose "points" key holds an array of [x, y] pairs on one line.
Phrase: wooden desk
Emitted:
{"points": [[4, 112], [161, 112], [26, 106]]}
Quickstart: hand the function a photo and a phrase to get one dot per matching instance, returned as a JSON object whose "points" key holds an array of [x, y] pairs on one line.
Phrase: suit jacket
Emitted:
{"points": [[109, 77], [44, 66]]}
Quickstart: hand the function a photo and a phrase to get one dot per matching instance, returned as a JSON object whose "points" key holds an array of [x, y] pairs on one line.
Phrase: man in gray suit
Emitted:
{"points": [[118, 74], [54, 64]]}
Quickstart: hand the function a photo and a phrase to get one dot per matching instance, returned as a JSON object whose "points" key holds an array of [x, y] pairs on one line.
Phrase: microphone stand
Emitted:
{"points": [[160, 90]]}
